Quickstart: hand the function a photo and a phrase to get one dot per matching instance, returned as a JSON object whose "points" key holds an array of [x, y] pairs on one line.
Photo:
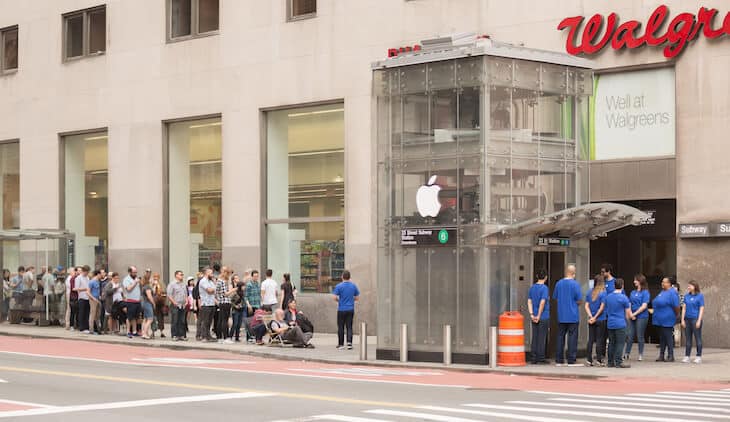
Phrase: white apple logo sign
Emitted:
{"points": [[427, 198]]}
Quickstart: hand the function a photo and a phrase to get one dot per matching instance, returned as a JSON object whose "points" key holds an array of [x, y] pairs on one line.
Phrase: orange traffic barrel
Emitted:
{"points": [[511, 340]]}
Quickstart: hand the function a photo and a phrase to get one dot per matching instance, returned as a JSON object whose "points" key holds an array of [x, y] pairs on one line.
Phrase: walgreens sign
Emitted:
{"points": [[599, 31]]}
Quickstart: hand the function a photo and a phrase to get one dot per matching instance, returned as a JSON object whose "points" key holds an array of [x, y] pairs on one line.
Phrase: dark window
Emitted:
{"points": [[9, 49], [302, 8], [191, 18], [84, 33]]}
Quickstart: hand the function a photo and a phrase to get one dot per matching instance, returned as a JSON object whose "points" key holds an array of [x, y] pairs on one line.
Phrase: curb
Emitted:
{"points": [[263, 354]]}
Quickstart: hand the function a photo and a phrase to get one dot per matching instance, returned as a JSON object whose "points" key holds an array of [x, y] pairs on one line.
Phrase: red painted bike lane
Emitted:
{"points": [[226, 361]]}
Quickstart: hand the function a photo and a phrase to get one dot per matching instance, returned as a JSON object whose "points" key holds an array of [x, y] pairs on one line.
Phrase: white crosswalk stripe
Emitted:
{"points": [[668, 406]]}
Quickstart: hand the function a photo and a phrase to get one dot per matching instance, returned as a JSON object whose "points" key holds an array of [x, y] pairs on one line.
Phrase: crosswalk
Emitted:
{"points": [[544, 406]]}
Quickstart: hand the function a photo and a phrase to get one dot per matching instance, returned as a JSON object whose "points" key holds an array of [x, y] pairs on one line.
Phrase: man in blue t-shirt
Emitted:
{"points": [[346, 294], [618, 310], [607, 273], [538, 302], [568, 294]]}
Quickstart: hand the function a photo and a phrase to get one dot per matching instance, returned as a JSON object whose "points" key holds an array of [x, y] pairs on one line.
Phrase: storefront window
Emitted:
{"points": [[194, 189], [10, 197], [305, 195], [86, 196]]}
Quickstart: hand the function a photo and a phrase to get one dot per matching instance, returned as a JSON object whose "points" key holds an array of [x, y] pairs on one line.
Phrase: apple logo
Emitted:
{"points": [[427, 198]]}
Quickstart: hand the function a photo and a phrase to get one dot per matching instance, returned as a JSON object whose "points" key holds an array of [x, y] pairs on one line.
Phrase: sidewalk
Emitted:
{"points": [[715, 368]]}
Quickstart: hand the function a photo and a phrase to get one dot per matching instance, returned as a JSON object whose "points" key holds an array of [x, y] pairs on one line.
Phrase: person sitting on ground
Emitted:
{"points": [[256, 325], [290, 333], [293, 316]]}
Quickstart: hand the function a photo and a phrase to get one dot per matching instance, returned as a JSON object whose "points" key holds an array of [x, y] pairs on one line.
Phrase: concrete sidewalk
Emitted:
{"points": [[715, 368]]}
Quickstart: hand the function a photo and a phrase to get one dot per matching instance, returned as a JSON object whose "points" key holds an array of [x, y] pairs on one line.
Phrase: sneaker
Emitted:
{"points": [[660, 359], [698, 359], [129, 335], [349, 346], [162, 335], [640, 358], [310, 346], [560, 364], [685, 359], [670, 359], [135, 334], [228, 341], [86, 332], [600, 364], [623, 365], [340, 347], [589, 363]]}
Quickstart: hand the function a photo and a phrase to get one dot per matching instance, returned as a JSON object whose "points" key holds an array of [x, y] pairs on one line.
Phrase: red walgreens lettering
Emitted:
{"points": [[682, 29]]}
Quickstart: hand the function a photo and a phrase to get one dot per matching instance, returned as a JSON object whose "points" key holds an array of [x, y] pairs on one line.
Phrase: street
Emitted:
{"points": [[47, 379]]}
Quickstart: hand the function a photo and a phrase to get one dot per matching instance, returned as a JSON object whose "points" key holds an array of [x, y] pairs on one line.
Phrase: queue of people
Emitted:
{"points": [[224, 306], [614, 319]]}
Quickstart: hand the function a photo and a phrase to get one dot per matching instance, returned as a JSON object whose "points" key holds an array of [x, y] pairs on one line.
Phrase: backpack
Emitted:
{"points": [[74, 294], [196, 291], [107, 291]]}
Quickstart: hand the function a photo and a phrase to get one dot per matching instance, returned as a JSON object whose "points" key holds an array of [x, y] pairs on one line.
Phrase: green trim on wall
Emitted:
{"points": [[592, 120]]}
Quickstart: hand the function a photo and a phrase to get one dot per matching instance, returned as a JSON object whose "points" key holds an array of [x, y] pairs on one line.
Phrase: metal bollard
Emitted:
{"points": [[363, 341], [447, 345], [404, 342], [493, 347]]}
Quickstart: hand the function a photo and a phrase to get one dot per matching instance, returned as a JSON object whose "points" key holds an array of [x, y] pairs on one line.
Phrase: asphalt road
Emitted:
{"points": [[51, 380]]}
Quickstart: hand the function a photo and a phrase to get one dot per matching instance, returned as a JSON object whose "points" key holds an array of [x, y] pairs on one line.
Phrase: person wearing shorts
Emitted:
{"points": [[133, 296]]}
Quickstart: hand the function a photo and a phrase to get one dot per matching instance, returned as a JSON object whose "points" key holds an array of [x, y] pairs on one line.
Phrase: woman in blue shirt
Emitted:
{"points": [[666, 307], [692, 313], [594, 307], [639, 299]]}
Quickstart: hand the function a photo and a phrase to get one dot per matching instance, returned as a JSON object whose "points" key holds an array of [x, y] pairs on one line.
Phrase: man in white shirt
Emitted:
{"points": [[82, 287], [206, 287], [269, 292]]}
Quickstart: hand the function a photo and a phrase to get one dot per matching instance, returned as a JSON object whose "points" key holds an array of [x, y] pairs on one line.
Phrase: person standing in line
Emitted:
{"points": [[16, 283], [666, 307], [595, 308], [538, 302], [223, 290], [269, 291], [639, 317], [238, 310], [252, 295], [345, 294], [618, 309], [288, 291], [148, 307], [115, 300], [206, 288], [72, 300], [95, 303], [132, 300], [103, 314], [177, 294], [7, 294], [693, 312], [609, 280], [567, 293], [48, 282], [160, 294], [82, 288], [29, 281]]}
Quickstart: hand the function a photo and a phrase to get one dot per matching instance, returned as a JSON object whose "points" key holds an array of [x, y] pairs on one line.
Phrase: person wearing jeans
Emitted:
{"points": [[692, 313], [567, 293], [177, 294], [666, 306], [345, 294], [538, 302], [238, 309], [618, 310], [639, 317], [595, 308]]}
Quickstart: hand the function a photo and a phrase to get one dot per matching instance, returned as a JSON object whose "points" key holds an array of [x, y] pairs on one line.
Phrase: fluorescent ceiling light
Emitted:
{"points": [[205, 125], [310, 113], [96, 138]]}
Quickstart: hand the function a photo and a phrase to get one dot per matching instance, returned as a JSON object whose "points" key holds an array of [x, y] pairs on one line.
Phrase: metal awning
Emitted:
{"points": [[35, 234], [590, 220]]}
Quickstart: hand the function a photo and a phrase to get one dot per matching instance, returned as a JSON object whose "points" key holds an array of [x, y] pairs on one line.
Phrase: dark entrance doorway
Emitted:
{"points": [[552, 261]]}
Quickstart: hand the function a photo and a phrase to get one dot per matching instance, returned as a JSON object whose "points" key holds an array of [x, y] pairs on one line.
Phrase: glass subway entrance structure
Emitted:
{"points": [[482, 153]]}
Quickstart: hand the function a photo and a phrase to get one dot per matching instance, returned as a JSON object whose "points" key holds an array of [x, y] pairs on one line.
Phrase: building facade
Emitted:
{"points": [[178, 133]]}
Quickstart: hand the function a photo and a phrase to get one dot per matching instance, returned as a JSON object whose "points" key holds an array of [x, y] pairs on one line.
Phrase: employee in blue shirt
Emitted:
{"points": [[618, 310], [692, 313], [346, 294], [567, 293], [607, 273], [666, 308], [639, 317], [538, 302], [595, 310]]}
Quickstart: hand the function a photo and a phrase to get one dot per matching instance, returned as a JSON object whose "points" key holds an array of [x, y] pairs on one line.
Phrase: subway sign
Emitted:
{"points": [[704, 230], [660, 29]]}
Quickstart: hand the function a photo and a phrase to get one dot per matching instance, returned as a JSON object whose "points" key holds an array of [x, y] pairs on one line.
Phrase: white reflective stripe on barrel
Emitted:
{"points": [[511, 349], [504, 332]]}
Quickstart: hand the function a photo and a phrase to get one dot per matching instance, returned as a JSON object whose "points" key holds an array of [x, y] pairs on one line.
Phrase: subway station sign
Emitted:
{"points": [[427, 237], [704, 230], [674, 33]]}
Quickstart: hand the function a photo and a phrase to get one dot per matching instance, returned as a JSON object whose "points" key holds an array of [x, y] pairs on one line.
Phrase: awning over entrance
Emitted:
{"points": [[35, 234], [590, 220]]}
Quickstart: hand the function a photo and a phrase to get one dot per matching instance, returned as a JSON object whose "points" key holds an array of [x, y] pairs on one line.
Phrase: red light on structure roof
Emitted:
{"points": [[394, 52]]}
